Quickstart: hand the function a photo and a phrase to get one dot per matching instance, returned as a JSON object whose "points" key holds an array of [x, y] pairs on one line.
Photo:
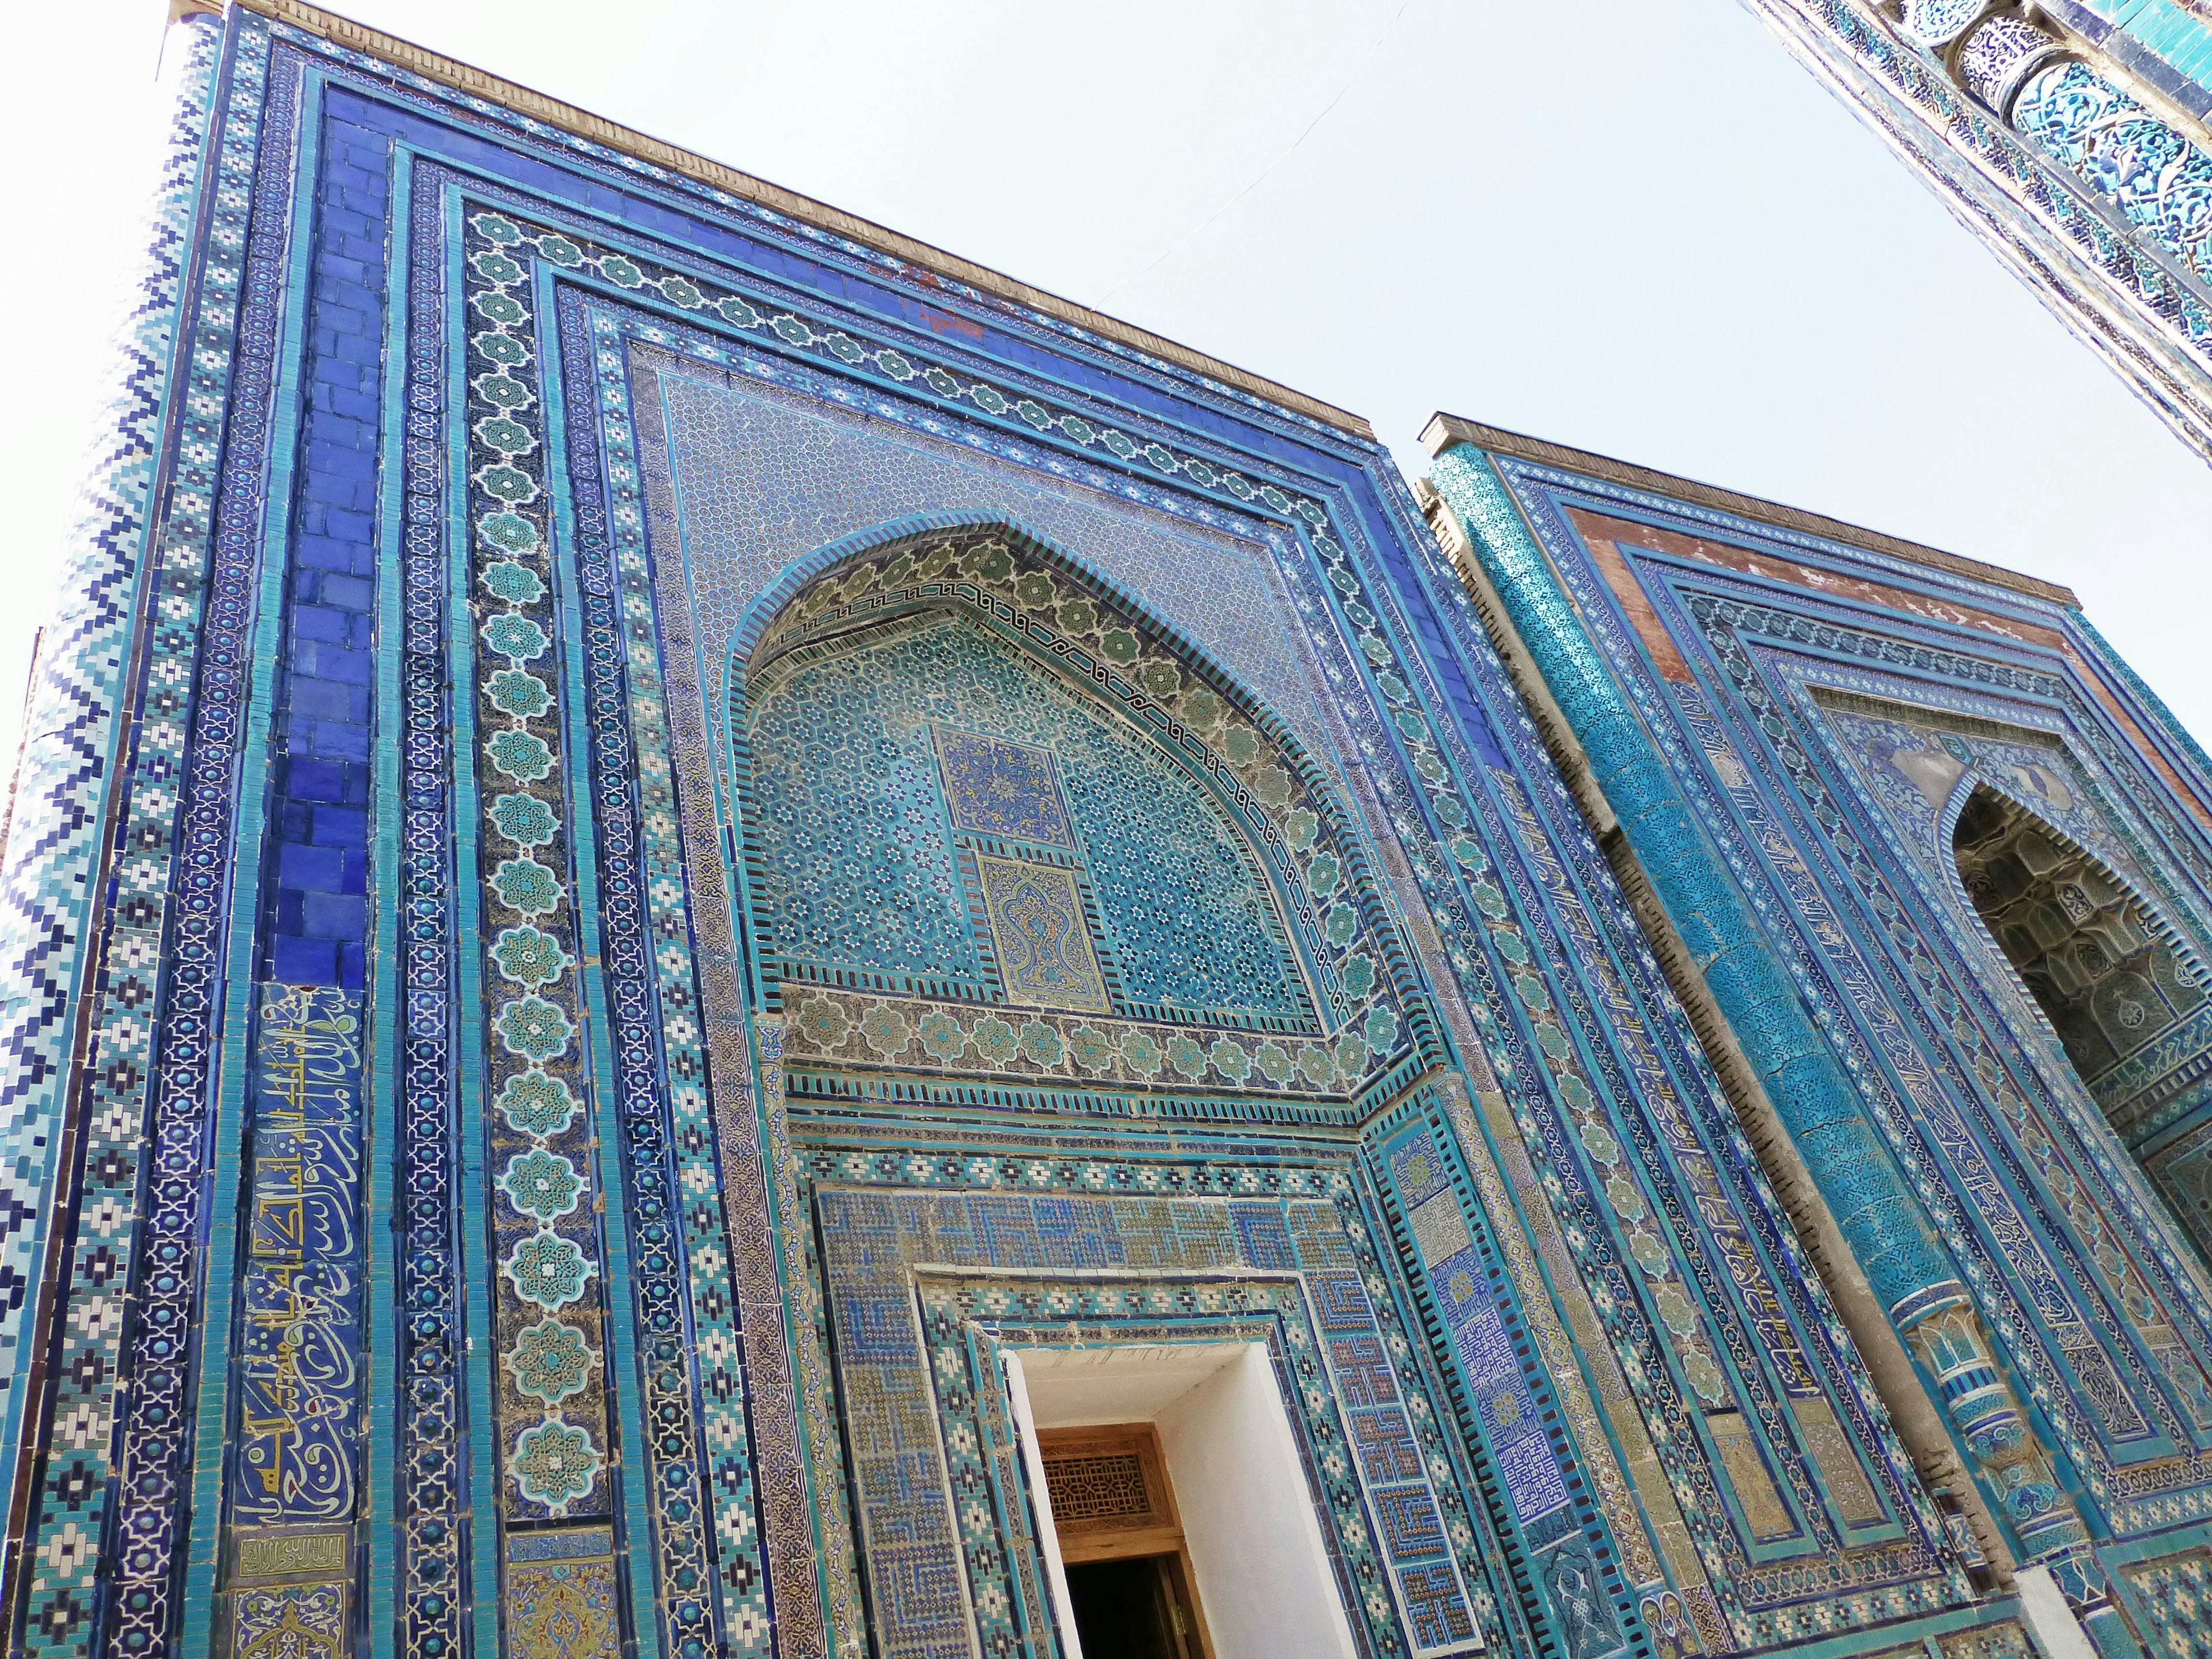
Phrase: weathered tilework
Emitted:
{"points": [[858, 851], [561, 1598], [2174, 1599], [289, 1621], [2008, 1640], [53, 830], [1129, 1267], [2042, 1178], [299, 1354]]}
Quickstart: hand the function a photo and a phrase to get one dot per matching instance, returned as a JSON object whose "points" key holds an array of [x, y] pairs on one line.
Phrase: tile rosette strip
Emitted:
{"points": [[548, 1259]]}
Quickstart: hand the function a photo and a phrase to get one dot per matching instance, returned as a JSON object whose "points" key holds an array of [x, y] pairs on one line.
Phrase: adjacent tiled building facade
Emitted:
{"points": [[661, 824], [2071, 136]]}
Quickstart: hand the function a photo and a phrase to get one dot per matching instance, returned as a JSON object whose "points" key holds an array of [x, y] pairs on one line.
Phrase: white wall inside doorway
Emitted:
{"points": [[1265, 1586]]}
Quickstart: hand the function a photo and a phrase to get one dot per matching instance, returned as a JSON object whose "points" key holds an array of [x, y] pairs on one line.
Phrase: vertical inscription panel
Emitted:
{"points": [[299, 1357]]}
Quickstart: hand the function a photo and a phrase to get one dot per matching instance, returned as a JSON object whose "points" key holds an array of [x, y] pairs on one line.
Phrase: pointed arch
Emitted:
{"points": [[2124, 995], [974, 583]]}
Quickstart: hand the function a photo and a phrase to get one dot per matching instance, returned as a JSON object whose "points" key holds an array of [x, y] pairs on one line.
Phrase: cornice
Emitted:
{"points": [[537, 107], [1444, 430]]}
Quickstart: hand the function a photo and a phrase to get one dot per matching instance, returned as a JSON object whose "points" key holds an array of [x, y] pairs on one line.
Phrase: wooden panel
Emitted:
{"points": [[1108, 1480]]}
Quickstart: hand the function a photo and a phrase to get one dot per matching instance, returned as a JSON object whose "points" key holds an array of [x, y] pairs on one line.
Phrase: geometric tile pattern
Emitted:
{"points": [[1108, 1269], [1880, 1562], [544, 779], [1164, 1021], [844, 748], [430, 1456], [1147, 825], [51, 832], [654, 986], [2176, 1597], [209, 555], [1833, 709], [546, 1241]]}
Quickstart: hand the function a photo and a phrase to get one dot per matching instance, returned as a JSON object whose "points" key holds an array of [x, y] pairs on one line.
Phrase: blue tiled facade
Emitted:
{"points": [[715, 825], [1792, 728], [2070, 135]]}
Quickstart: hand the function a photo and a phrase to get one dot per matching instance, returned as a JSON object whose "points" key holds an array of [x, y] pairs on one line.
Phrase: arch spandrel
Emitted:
{"points": [[1024, 942]]}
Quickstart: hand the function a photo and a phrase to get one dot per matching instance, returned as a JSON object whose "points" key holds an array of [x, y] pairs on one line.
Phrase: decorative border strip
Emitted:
{"points": [[2048, 1392], [152, 1516], [436, 1545], [68, 1506]]}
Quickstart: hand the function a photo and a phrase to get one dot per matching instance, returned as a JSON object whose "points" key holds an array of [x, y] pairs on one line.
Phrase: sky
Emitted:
{"points": [[1642, 230]]}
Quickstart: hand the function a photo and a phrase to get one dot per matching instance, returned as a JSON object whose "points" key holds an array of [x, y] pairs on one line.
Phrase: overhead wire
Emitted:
{"points": [[1193, 234]]}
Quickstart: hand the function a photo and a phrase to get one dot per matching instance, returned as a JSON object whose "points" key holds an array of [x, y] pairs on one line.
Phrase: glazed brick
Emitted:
{"points": [[315, 781], [341, 826], [302, 867], [296, 960], [346, 593], [333, 915], [315, 623], [338, 740]]}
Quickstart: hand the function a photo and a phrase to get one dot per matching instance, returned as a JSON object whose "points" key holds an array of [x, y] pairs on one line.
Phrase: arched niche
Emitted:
{"points": [[1003, 829], [2128, 1004]]}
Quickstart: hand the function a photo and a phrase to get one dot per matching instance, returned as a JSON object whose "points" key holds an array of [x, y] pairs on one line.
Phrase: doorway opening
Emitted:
{"points": [[1129, 1579], [1176, 1515]]}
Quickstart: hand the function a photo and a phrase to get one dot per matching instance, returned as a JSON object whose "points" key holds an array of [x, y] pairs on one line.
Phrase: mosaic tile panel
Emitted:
{"points": [[731, 1253], [561, 1600], [299, 1365], [843, 746], [212, 558], [55, 804], [415, 862], [289, 1621], [764, 481], [995, 787], [612, 1131], [1201, 785], [1823, 743], [1106, 1270], [2175, 1595], [1039, 937], [553, 1405]]}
